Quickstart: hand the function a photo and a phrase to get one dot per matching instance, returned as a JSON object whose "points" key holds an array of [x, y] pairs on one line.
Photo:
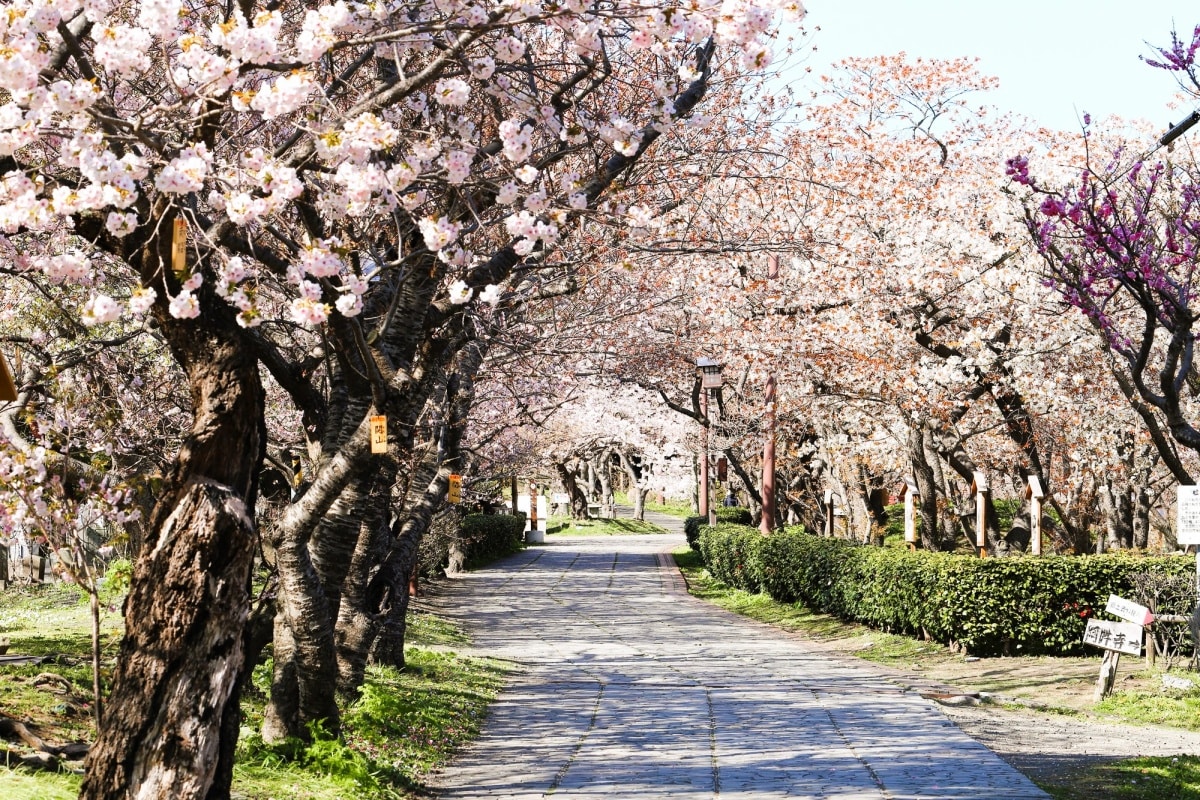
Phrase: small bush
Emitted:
{"points": [[989, 606], [471, 540], [735, 515], [487, 537], [691, 529]]}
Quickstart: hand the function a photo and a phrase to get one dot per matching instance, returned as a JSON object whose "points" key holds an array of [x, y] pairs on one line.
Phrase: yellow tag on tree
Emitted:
{"points": [[179, 249], [454, 492], [379, 434], [8, 388]]}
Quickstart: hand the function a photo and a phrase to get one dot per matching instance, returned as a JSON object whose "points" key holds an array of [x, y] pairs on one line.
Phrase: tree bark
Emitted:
{"points": [[579, 504], [167, 731]]}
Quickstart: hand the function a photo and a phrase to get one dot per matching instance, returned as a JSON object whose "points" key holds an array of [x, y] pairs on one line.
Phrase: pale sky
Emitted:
{"points": [[1055, 59]]}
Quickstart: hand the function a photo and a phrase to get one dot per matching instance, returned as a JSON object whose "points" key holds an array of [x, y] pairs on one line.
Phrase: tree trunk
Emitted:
{"points": [[931, 529], [167, 730], [358, 623], [579, 504], [639, 502]]}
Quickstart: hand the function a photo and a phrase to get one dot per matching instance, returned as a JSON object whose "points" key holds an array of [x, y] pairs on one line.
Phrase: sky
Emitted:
{"points": [[1055, 59]]}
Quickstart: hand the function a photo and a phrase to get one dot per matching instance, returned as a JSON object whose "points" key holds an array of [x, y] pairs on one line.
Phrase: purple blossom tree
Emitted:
{"points": [[1120, 243]]}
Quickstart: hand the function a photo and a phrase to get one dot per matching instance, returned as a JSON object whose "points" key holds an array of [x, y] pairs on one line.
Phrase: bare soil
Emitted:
{"points": [[1036, 712]]}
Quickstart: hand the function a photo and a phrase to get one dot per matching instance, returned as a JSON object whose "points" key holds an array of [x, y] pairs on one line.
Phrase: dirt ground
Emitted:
{"points": [[1049, 746]]}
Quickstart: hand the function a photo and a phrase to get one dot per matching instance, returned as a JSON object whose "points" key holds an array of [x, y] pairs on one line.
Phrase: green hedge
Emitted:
{"points": [[731, 514], [992, 606], [487, 537], [734, 514]]}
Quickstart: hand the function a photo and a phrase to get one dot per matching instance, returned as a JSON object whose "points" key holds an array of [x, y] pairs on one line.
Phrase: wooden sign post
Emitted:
{"points": [[979, 489], [533, 507], [911, 495], [1114, 638], [829, 512], [1033, 491]]}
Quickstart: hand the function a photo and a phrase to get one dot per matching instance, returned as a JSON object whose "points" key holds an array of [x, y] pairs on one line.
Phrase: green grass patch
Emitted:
{"points": [[406, 723], [599, 527], [1172, 708], [672, 508], [756, 605], [21, 785], [1159, 778], [426, 630]]}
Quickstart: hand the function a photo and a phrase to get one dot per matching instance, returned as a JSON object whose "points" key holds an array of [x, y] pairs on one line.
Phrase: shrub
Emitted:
{"points": [[731, 554], [691, 529], [487, 537], [470, 540], [989, 606], [735, 515]]}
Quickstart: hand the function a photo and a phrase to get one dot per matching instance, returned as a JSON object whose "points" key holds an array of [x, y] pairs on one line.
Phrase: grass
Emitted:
{"points": [[406, 722], [1162, 778], [672, 508], [1172, 708], [599, 527]]}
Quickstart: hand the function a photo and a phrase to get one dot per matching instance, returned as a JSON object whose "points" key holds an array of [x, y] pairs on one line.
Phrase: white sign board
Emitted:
{"points": [[1187, 520], [1124, 637], [561, 499], [523, 505], [1128, 610]]}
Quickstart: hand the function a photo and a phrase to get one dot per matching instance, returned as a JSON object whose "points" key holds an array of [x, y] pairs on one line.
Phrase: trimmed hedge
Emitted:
{"points": [[731, 514], [992, 606], [735, 515], [487, 537]]}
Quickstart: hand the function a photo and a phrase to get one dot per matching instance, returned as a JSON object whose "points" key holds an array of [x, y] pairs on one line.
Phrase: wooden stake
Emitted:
{"points": [[1108, 674]]}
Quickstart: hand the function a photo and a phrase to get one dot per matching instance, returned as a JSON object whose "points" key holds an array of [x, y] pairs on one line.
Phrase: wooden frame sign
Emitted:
{"points": [[1122, 637], [179, 249], [1128, 610]]}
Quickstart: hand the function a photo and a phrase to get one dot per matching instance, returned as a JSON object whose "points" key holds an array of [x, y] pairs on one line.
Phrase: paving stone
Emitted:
{"points": [[630, 688]]}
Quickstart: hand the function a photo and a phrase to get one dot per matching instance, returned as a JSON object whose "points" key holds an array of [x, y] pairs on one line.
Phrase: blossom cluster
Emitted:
{"points": [[267, 69]]}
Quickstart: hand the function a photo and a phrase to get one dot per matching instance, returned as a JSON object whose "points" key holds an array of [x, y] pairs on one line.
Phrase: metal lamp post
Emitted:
{"points": [[710, 379]]}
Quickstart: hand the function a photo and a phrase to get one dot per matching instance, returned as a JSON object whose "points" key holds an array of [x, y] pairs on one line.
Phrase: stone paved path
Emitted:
{"points": [[632, 689]]}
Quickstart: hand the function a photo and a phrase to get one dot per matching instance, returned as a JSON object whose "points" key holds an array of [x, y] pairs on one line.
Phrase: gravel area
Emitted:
{"points": [[1052, 748]]}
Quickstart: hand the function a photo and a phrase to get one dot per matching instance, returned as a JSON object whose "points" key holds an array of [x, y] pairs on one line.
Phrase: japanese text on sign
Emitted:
{"points": [[454, 492], [1124, 637], [1187, 522], [379, 434], [1128, 610]]}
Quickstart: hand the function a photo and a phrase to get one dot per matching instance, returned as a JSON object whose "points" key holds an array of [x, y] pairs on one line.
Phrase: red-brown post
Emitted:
{"points": [[768, 471], [702, 495]]}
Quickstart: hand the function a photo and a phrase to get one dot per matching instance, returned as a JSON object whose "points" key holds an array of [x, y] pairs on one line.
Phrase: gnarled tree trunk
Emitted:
{"points": [[170, 726]]}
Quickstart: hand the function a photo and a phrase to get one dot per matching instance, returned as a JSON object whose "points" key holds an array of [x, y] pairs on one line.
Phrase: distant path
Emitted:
{"points": [[633, 689]]}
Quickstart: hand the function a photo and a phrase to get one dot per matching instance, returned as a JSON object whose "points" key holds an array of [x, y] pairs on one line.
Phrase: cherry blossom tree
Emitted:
{"points": [[323, 192]]}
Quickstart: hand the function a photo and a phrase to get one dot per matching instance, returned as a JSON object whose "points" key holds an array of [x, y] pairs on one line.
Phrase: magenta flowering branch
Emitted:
{"points": [[1120, 246]]}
